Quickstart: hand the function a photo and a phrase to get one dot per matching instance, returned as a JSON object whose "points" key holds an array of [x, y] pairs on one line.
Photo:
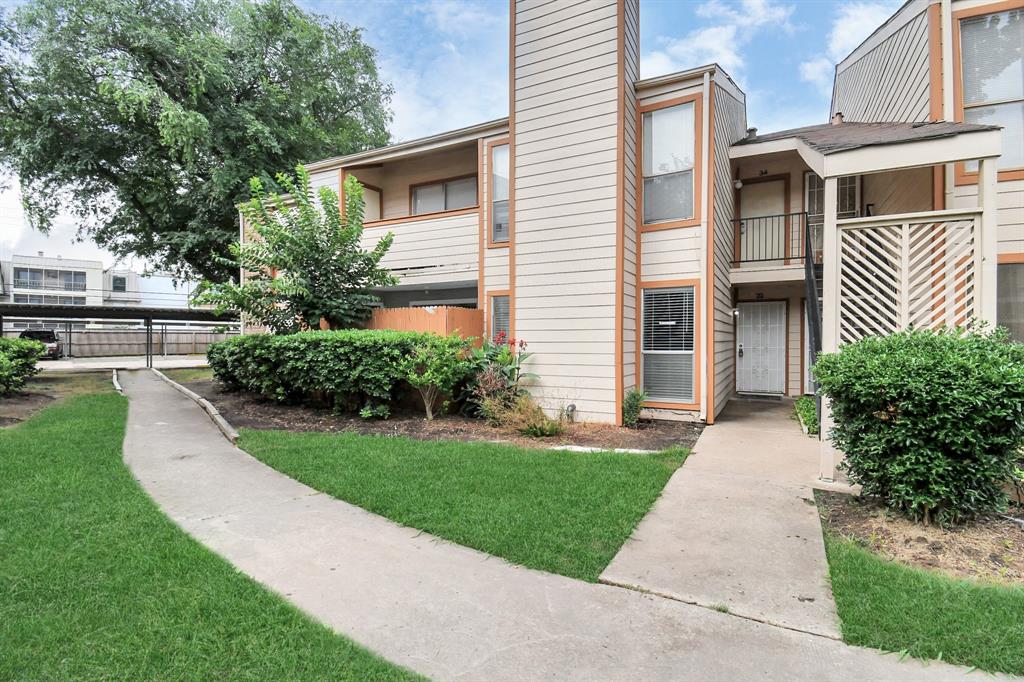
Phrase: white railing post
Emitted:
{"points": [[830, 316], [988, 203], [903, 301]]}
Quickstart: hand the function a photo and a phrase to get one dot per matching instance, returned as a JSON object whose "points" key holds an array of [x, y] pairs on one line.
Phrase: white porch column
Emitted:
{"points": [[829, 316], [988, 202]]}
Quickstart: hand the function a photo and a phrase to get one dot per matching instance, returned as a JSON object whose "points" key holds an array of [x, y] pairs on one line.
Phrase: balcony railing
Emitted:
{"points": [[39, 285], [775, 238]]}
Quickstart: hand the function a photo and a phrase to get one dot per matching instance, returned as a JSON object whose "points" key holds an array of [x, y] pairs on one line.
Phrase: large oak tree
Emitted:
{"points": [[147, 118]]}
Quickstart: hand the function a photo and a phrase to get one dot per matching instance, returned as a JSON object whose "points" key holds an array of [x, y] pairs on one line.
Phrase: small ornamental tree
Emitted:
{"points": [[435, 367], [304, 261], [932, 423]]}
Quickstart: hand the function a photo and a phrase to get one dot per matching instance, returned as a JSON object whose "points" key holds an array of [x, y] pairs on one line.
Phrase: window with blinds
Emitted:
{"points": [[500, 311], [992, 64], [667, 341]]}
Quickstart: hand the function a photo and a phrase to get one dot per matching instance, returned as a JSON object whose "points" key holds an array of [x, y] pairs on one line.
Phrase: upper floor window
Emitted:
{"points": [[445, 195], [499, 194], [847, 201], [669, 153], [992, 64], [53, 280], [119, 284]]}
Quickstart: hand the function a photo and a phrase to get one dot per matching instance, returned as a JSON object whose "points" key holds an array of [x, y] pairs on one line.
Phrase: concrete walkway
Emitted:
{"points": [[122, 362], [737, 526], [440, 609]]}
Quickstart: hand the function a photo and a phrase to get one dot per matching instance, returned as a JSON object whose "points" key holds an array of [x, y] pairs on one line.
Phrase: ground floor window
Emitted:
{"points": [[667, 344], [500, 316], [1010, 299]]}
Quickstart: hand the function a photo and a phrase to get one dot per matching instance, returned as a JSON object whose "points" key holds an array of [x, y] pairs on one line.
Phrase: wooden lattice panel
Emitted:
{"points": [[911, 274]]}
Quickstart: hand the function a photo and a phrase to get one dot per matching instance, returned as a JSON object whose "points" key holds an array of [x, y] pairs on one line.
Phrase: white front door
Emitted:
{"points": [[762, 221], [761, 347]]}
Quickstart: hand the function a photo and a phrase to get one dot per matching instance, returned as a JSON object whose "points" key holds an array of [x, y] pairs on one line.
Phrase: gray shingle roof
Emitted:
{"points": [[829, 139]]}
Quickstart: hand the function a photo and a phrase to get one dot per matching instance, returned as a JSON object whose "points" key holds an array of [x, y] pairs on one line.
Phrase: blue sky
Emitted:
{"points": [[448, 62], [448, 59]]}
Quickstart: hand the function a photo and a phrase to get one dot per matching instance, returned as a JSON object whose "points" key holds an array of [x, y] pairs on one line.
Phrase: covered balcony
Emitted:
{"points": [[426, 192], [880, 250]]}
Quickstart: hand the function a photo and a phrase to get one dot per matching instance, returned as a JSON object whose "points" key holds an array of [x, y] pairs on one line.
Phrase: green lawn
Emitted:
{"points": [[893, 607], [96, 583], [186, 374], [563, 512]]}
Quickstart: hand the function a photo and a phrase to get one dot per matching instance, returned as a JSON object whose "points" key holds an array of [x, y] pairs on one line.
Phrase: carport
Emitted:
{"points": [[148, 316]]}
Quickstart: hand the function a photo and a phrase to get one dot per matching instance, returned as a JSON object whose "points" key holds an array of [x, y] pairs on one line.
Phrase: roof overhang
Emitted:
{"points": [[111, 312], [422, 145], [877, 158]]}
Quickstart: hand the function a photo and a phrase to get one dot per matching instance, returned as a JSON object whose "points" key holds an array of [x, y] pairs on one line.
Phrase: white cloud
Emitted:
{"points": [[851, 24], [18, 237], [818, 72], [734, 25]]}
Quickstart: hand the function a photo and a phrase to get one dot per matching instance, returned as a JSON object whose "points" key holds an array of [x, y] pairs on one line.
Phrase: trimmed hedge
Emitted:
{"points": [[18, 362], [346, 368], [931, 422]]}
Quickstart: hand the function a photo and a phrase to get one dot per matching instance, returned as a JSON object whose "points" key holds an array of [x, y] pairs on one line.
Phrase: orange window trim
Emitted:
{"points": [[490, 306], [1010, 258], [961, 175], [489, 151], [666, 284], [694, 221]]}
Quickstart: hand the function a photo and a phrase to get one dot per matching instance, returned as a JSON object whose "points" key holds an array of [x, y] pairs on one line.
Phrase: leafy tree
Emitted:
{"points": [[146, 118], [303, 260]]}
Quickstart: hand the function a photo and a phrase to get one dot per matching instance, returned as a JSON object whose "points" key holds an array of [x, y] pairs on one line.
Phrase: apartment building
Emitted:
{"points": [[53, 280], [636, 234]]}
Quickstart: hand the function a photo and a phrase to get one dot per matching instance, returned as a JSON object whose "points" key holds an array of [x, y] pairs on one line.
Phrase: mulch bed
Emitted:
{"points": [[21, 405], [245, 411], [990, 549]]}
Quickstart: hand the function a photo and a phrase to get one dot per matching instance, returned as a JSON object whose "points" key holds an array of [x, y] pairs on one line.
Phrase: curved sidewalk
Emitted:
{"points": [[443, 610]]}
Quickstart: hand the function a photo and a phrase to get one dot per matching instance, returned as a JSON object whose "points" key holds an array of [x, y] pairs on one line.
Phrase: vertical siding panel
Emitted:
{"points": [[889, 83], [577, 362], [730, 126]]}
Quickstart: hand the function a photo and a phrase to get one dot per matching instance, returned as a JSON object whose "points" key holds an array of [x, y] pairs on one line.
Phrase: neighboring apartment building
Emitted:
{"points": [[635, 234], [54, 280]]}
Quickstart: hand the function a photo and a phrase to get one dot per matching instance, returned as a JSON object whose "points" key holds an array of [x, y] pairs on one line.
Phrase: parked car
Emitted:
{"points": [[48, 338]]}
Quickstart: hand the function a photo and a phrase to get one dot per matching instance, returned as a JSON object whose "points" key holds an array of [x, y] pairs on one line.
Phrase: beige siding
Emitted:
{"points": [[396, 177], [325, 178], [904, 191], [730, 122], [448, 247], [565, 116], [671, 254], [1011, 211], [890, 81]]}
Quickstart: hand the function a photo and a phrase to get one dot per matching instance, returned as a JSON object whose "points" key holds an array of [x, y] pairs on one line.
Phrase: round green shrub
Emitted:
{"points": [[932, 423], [346, 368], [18, 362]]}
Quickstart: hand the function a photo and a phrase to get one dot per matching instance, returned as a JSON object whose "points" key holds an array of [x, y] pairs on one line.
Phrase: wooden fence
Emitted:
{"points": [[466, 322]]}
